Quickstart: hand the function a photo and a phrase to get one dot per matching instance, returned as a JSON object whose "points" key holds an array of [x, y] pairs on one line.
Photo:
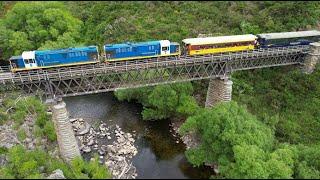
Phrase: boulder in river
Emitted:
{"points": [[85, 130], [86, 149]]}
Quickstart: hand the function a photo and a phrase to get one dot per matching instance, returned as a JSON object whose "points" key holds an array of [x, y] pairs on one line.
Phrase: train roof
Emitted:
{"points": [[289, 34], [219, 39], [129, 44], [54, 51], [15, 57]]}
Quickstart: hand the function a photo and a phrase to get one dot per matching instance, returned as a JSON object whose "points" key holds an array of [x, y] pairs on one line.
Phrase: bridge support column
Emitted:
{"points": [[313, 58], [67, 142], [219, 90]]}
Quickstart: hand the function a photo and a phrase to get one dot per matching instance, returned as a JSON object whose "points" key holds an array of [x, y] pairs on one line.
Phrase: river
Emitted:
{"points": [[159, 155]]}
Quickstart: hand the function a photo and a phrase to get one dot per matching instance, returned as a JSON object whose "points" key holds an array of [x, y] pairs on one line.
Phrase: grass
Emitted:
{"points": [[21, 134]]}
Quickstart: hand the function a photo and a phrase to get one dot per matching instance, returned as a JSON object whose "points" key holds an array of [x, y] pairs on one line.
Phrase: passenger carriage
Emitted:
{"points": [[284, 39], [219, 44]]}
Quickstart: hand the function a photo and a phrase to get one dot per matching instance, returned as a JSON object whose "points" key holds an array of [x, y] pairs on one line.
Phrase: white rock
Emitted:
{"points": [[91, 142], [86, 149], [73, 120], [57, 174]]}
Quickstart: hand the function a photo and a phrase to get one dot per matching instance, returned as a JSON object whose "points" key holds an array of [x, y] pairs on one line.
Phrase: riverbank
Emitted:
{"points": [[191, 140]]}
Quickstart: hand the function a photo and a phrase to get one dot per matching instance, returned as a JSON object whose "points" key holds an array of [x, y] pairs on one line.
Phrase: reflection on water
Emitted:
{"points": [[159, 156]]}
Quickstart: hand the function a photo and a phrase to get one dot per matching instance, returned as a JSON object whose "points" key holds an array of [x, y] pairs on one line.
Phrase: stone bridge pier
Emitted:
{"points": [[67, 142], [312, 58], [219, 90]]}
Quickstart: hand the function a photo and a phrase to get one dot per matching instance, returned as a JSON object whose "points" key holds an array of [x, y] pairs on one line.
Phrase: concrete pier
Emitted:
{"points": [[219, 90], [67, 142], [313, 58]]}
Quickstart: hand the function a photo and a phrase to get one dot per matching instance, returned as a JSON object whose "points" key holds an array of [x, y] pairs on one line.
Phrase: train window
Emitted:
{"points": [[165, 48]]}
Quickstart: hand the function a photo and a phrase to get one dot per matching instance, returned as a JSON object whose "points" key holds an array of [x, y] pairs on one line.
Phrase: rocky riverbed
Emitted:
{"points": [[114, 146]]}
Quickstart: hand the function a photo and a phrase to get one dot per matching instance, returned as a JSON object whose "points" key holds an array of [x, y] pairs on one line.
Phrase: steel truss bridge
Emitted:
{"points": [[102, 77]]}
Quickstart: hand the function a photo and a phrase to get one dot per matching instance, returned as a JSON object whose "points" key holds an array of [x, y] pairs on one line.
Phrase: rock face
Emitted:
{"points": [[8, 137], [117, 154], [190, 140], [57, 174], [3, 160]]}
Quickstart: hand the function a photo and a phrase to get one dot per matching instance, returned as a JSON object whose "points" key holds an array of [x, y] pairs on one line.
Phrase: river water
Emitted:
{"points": [[159, 155]]}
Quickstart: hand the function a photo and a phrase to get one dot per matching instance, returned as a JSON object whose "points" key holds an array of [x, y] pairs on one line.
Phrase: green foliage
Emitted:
{"points": [[21, 134], [31, 106], [26, 164], [252, 162], [308, 166], [225, 126], [163, 101], [91, 170], [3, 150], [38, 25], [242, 145], [3, 116], [285, 99], [158, 19], [49, 131]]}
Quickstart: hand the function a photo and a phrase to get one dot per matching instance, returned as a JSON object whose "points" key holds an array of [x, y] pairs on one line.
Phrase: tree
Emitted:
{"points": [[38, 25], [308, 166], [225, 126], [163, 101]]}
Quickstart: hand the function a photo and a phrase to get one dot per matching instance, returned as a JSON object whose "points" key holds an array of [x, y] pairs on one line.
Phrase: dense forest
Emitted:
{"points": [[270, 128]]}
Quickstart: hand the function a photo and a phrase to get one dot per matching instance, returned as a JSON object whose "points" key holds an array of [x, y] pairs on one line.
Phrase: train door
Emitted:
{"points": [[29, 59], [165, 47]]}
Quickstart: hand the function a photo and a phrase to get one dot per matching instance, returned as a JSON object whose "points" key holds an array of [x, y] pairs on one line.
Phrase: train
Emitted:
{"points": [[44, 59]]}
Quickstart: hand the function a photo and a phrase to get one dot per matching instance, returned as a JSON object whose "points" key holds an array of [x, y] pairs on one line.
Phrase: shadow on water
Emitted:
{"points": [[159, 155]]}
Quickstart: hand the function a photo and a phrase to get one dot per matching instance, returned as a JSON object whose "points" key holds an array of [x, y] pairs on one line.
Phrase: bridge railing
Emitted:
{"points": [[4, 69]]}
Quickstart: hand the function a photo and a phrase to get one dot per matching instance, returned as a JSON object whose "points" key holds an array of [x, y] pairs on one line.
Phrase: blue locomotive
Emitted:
{"points": [[149, 49], [54, 58]]}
